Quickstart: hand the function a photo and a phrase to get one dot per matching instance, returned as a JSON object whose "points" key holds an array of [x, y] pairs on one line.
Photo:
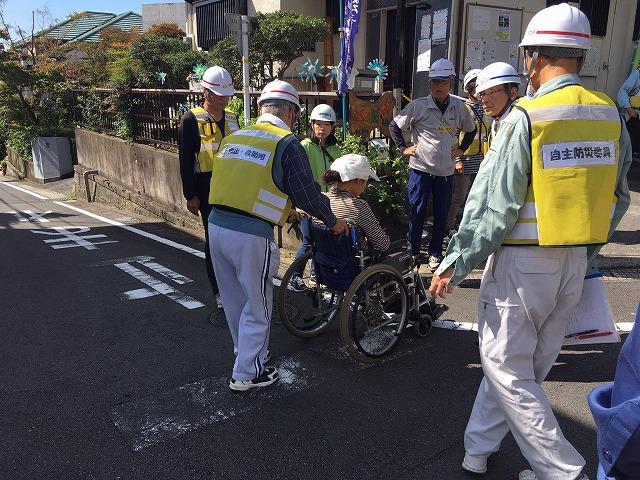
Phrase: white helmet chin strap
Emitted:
{"points": [[529, 90]]}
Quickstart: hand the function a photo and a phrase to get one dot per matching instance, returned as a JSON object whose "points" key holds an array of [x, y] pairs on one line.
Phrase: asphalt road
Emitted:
{"points": [[111, 369]]}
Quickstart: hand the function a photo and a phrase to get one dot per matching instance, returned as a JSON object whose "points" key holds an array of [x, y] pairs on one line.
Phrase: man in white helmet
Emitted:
{"points": [[552, 178], [199, 135], [434, 122], [259, 173], [497, 89]]}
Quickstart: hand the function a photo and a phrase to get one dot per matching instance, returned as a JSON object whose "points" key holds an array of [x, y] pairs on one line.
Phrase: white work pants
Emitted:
{"points": [[245, 265], [526, 298]]}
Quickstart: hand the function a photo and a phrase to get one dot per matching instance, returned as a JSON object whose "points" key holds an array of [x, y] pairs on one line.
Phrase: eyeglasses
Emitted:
{"points": [[490, 93]]}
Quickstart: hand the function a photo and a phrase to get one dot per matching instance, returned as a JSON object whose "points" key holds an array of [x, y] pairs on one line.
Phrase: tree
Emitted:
{"points": [[281, 37], [171, 30]]}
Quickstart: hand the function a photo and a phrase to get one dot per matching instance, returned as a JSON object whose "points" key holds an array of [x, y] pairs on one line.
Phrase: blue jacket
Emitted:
{"points": [[616, 410]]}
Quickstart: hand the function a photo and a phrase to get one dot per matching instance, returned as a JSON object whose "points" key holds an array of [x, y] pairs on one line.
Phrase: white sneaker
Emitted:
{"points": [[475, 463], [219, 301], [434, 262], [529, 475], [267, 377], [296, 284]]}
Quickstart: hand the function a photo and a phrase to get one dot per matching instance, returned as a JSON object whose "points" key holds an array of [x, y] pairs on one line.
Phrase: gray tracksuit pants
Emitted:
{"points": [[245, 265]]}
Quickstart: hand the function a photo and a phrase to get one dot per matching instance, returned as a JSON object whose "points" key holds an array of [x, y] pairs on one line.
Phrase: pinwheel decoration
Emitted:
{"points": [[198, 71], [310, 70], [161, 76], [332, 73], [378, 66]]}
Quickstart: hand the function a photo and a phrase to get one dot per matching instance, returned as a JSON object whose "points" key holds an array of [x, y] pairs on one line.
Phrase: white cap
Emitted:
{"points": [[497, 73], [470, 76], [218, 80], [442, 68], [279, 90], [323, 113], [558, 26], [353, 166]]}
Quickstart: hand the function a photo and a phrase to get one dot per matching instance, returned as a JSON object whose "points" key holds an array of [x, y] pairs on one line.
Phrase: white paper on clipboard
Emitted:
{"points": [[592, 321]]}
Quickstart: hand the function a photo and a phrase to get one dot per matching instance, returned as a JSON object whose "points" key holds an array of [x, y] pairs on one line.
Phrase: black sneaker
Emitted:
{"points": [[267, 377]]}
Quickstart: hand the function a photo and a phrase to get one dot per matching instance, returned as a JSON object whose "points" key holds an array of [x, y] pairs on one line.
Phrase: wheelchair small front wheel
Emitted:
{"points": [[305, 308], [374, 313], [421, 324]]}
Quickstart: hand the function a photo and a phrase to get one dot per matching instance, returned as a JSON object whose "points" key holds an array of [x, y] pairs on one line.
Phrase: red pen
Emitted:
{"points": [[593, 335]]}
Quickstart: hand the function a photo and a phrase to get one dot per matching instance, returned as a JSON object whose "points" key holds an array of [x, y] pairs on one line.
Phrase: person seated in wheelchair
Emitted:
{"points": [[348, 177]]}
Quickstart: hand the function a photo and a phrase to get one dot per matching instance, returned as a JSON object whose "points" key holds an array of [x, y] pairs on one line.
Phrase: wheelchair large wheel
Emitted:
{"points": [[374, 313], [305, 308]]}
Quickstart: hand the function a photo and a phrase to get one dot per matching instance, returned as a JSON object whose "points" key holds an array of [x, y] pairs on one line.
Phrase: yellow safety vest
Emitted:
{"points": [[211, 136], [480, 143], [242, 177], [575, 136]]}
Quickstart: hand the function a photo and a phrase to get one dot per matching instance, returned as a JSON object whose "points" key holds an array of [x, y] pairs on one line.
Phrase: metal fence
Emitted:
{"points": [[153, 115]]}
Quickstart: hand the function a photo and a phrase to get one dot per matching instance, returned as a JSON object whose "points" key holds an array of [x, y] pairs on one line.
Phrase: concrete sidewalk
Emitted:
{"points": [[621, 253]]}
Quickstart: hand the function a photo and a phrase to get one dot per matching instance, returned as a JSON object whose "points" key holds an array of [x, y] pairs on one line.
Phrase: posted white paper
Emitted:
{"points": [[423, 61], [480, 19]]}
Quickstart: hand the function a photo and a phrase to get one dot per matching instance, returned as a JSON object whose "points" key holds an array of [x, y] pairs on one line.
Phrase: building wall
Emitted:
{"points": [[155, 13]]}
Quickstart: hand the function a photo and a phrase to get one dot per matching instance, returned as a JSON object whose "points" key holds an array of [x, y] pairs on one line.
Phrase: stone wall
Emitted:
{"points": [[18, 166], [138, 178]]}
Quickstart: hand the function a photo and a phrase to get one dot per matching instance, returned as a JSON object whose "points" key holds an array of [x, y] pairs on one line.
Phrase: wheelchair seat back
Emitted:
{"points": [[400, 260], [336, 258]]}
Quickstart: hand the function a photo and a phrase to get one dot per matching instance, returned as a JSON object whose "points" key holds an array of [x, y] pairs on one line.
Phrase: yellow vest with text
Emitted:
{"points": [[242, 177], [480, 143], [575, 146], [211, 136]]}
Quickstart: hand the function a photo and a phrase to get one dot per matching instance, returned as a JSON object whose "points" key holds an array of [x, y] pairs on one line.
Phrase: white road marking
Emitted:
{"points": [[74, 237], [157, 286], [140, 293], [34, 217], [137, 231], [19, 217], [24, 190], [164, 271]]}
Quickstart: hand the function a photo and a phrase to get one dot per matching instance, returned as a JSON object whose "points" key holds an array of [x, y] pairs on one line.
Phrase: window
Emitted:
{"points": [[210, 21], [597, 11]]}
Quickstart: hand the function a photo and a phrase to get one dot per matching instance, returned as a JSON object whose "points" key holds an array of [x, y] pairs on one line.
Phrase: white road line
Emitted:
{"points": [[24, 190], [160, 287], [623, 327], [164, 271], [137, 231], [34, 217]]}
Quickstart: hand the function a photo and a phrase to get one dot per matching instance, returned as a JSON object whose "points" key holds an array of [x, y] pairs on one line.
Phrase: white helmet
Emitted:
{"points": [[279, 90], [323, 113], [442, 68], [497, 73], [470, 77], [218, 80], [558, 26]]}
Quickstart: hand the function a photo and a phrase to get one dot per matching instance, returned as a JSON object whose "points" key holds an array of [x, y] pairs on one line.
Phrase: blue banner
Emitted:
{"points": [[352, 10]]}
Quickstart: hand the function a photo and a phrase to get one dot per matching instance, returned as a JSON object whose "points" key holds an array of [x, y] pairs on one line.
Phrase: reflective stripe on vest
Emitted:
{"points": [[575, 149], [480, 143], [210, 137], [242, 177]]}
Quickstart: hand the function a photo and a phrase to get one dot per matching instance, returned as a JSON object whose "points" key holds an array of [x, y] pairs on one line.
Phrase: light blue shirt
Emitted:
{"points": [[629, 88], [500, 188]]}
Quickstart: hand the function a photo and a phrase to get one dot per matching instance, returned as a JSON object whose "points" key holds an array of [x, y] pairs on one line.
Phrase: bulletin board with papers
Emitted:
{"points": [[492, 34], [433, 29]]}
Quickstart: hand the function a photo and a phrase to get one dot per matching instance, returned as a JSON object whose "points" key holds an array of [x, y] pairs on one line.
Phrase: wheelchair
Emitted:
{"points": [[375, 297]]}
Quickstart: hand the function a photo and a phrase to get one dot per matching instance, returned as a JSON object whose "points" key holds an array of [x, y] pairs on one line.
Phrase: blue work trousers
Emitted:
{"points": [[421, 186]]}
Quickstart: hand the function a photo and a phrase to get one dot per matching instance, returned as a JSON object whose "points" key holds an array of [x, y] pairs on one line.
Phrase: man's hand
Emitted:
{"points": [[294, 217], [631, 112], [193, 205], [459, 166], [341, 227], [410, 150], [440, 284], [456, 152]]}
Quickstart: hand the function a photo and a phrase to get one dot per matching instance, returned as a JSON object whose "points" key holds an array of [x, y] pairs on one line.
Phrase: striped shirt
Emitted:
{"points": [[354, 209]]}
